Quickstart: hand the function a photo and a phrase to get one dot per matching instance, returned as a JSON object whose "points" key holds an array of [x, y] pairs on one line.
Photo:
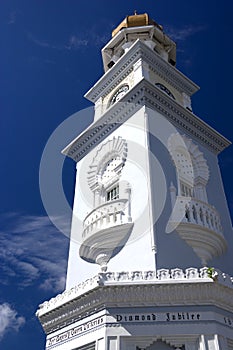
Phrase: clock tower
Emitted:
{"points": [[151, 231]]}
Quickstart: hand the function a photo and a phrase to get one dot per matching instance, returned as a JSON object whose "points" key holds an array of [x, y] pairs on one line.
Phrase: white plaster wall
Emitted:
{"points": [[172, 250], [137, 253], [149, 170]]}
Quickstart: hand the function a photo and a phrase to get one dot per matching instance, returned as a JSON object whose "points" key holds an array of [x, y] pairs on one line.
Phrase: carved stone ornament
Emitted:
{"points": [[115, 148], [200, 167], [144, 93], [195, 220], [108, 226], [138, 288]]}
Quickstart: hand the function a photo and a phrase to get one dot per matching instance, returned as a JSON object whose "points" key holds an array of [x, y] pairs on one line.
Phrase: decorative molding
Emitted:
{"points": [[138, 288], [145, 94], [200, 167], [124, 66], [104, 242], [171, 340], [117, 147], [169, 73], [206, 243], [199, 224], [196, 222], [184, 119]]}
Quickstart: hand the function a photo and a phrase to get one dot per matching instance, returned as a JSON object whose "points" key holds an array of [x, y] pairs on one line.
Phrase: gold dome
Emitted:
{"points": [[136, 21]]}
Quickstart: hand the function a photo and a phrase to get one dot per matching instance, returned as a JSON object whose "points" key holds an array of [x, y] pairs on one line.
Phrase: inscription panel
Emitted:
{"points": [[136, 320]]}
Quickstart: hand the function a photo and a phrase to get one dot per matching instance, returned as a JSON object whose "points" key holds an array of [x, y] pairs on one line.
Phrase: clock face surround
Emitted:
{"points": [[119, 93]]}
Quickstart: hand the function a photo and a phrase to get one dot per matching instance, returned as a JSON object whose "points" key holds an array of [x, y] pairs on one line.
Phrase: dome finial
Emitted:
{"points": [[135, 20]]}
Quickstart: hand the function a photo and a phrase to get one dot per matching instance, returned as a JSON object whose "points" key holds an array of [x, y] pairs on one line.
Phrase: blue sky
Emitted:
{"points": [[50, 56]]}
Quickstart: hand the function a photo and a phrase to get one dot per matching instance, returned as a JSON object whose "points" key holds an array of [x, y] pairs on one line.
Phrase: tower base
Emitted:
{"points": [[170, 309]]}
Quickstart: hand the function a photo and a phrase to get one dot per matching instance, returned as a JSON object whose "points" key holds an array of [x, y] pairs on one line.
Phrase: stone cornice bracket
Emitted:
{"points": [[124, 66]]}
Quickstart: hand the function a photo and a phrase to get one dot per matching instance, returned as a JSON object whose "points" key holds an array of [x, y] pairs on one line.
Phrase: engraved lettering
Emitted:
{"points": [[119, 318]]}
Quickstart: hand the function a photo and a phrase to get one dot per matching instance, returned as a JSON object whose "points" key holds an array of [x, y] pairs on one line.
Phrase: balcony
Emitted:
{"points": [[106, 230], [199, 224]]}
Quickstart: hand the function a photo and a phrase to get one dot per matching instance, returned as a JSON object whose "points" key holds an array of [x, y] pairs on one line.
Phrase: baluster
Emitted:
{"points": [[95, 224], [187, 213], [101, 219], [211, 221], [215, 223], [204, 217], [121, 216], [107, 217], [194, 214], [201, 217], [111, 216], [114, 217], [207, 218]]}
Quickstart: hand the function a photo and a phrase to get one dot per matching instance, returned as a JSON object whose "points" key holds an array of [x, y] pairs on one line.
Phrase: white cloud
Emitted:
{"points": [[9, 319], [32, 252], [75, 42], [56, 284], [38, 42], [181, 34]]}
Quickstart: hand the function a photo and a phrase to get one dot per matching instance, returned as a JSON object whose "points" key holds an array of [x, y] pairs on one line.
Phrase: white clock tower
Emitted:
{"points": [[151, 230]]}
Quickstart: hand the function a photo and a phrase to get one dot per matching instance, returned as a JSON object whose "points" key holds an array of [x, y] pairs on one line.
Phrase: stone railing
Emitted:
{"points": [[162, 276], [201, 213], [107, 215], [156, 276]]}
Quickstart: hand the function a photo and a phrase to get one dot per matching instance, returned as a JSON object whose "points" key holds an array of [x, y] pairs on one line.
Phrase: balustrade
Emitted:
{"points": [[203, 214], [107, 215]]}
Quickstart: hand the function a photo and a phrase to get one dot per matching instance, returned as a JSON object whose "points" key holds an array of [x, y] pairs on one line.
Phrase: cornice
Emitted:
{"points": [[103, 127], [137, 289], [125, 65], [168, 72], [145, 94], [184, 119]]}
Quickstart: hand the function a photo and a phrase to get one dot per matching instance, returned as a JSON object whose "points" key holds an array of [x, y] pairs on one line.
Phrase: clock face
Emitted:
{"points": [[119, 93], [165, 89]]}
